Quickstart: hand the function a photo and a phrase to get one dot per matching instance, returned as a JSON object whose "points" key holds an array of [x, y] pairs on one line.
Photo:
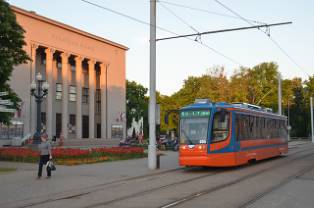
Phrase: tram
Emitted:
{"points": [[224, 134]]}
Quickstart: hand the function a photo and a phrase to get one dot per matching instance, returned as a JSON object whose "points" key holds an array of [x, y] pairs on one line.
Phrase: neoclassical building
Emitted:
{"points": [[86, 77]]}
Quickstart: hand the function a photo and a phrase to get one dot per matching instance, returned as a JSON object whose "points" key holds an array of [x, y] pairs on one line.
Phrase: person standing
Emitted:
{"points": [[45, 155]]}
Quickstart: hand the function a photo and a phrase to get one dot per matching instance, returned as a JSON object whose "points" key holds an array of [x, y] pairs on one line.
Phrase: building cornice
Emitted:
{"points": [[64, 26]]}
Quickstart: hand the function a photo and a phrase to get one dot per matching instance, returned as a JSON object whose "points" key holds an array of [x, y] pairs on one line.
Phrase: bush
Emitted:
{"points": [[76, 156]]}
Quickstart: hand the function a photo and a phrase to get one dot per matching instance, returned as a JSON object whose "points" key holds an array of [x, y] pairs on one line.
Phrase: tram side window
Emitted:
{"points": [[220, 126], [264, 135], [245, 127], [239, 127]]}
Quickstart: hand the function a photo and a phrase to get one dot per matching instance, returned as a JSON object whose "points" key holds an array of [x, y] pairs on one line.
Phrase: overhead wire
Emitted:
{"points": [[178, 17], [267, 33], [198, 38], [207, 11], [158, 27]]}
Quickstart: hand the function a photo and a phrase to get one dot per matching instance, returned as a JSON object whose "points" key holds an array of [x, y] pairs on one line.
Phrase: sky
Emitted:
{"points": [[178, 59]]}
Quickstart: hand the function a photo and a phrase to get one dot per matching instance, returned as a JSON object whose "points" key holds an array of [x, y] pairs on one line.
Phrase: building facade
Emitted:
{"points": [[86, 77]]}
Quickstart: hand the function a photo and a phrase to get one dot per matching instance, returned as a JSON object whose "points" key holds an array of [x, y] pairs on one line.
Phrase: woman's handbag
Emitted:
{"points": [[50, 164]]}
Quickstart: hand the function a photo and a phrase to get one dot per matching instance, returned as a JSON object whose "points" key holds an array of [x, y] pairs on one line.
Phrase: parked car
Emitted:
{"points": [[129, 141]]}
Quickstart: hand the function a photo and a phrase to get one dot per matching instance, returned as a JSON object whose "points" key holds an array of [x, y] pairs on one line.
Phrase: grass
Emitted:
{"points": [[6, 170]]}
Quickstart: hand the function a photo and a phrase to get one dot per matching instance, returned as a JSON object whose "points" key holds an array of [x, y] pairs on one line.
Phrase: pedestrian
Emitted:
{"points": [[45, 155]]}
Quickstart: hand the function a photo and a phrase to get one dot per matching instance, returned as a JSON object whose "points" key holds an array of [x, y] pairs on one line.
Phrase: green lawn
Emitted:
{"points": [[5, 170]]}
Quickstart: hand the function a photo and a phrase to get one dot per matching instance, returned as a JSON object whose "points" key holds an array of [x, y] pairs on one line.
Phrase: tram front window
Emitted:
{"points": [[193, 130]]}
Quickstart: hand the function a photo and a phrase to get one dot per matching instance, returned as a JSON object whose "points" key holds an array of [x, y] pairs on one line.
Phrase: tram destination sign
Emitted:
{"points": [[195, 113]]}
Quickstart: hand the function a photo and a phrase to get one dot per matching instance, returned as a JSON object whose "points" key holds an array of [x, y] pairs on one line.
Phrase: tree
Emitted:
{"points": [[11, 53], [299, 115], [257, 85]]}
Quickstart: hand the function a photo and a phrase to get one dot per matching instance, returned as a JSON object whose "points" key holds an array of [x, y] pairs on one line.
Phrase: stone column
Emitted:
{"points": [[103, 88], [32, 118], [65, 94], [91, 103], [49, 78], [79, 82]]}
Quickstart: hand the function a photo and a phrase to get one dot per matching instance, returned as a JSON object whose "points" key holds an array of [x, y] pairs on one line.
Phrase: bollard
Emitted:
{"points": [[158, 161]]}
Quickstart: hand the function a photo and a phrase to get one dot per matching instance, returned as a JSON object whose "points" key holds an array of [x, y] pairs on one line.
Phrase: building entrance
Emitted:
{"points": [[85, 127]]}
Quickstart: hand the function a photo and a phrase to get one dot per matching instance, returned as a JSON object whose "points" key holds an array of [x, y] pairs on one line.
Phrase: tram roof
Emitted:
{"points": [[207, 104]]}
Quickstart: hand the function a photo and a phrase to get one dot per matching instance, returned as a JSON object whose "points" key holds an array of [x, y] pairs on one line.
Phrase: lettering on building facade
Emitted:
{"points": [[72, 42]]}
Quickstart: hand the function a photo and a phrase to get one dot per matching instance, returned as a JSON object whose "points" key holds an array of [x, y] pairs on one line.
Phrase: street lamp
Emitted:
{"points": [[39, 89]]}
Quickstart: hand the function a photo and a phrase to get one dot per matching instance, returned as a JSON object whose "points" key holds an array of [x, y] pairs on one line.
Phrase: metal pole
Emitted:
{"points": [[107, 101], [152, 92], [312, 124], [38, 101], [279, 94], [288, 121]]}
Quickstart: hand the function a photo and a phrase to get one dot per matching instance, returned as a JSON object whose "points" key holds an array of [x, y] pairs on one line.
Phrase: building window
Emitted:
{"points": [[59, 65], [43, 59], [85, 95], [58, 91], [58, 124], [72, 124], [72, 93], [98, 101]]}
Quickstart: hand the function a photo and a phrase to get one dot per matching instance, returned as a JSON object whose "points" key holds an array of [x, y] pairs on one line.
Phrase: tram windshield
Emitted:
{"points": [[194, 127]]}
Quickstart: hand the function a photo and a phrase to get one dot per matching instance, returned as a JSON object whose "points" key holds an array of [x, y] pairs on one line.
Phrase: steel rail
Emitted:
{"points": [[219, 187]]}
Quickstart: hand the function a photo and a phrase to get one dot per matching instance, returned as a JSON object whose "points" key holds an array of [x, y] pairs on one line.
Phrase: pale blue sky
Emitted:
{"points": [[178, 59]]}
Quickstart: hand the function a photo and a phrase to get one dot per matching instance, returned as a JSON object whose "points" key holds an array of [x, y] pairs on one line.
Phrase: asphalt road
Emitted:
{"points": [[280, 182]]}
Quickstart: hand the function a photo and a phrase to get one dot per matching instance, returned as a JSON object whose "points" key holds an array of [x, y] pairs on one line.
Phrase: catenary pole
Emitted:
{"points": [[312, 124], [152, 91], [279, 94]]}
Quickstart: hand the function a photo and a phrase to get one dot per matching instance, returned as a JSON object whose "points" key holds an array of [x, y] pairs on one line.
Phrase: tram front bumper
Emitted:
{"points": [[210, 160]]}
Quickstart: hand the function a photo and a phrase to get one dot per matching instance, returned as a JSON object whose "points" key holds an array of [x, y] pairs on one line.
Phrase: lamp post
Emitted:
{"points": [[39, 89]]}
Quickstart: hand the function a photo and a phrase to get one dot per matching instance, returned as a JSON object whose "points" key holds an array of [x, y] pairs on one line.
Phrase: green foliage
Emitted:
{"points": [[257, 85], [11, 52]]}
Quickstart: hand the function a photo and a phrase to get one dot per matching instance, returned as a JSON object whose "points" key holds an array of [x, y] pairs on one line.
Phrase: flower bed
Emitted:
{"points": [[71, 156]]}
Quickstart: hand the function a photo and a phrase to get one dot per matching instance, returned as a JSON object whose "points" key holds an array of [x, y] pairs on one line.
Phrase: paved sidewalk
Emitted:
{"points": [[22, 184]]}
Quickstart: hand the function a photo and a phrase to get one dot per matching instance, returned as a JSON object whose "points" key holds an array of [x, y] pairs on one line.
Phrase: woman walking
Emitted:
{"points": [[45, 155]]}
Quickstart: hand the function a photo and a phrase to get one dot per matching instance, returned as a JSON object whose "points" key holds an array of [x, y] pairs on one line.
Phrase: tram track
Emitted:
{"points": [[241, 179], [69, 193], [99, 204], [260, 195], [92, 189], [124, 197]]}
